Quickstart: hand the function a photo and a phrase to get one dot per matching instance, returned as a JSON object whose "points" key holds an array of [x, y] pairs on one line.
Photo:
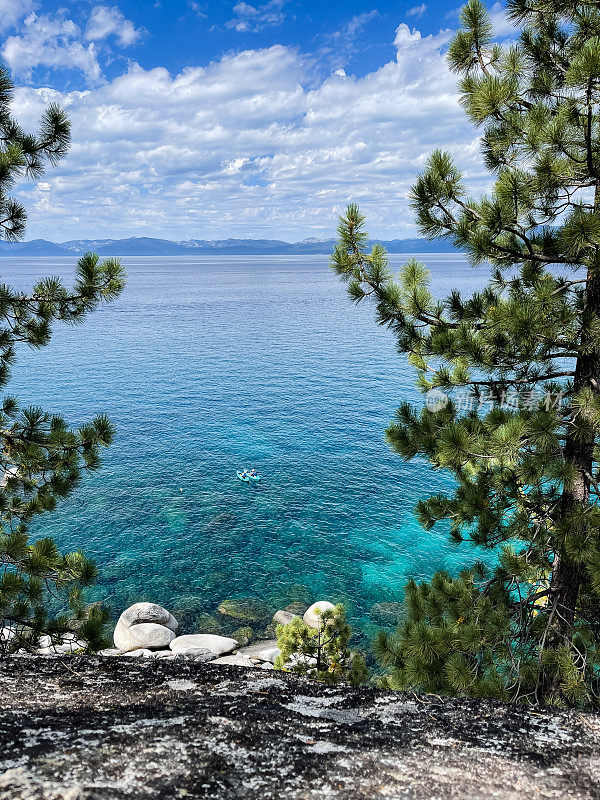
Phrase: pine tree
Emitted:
{"points": [[513, 371], [320, 653], [41, 458]]}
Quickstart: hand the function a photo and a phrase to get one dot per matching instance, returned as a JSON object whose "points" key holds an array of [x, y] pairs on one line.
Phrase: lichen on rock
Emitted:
{"points": [[88, 728]]}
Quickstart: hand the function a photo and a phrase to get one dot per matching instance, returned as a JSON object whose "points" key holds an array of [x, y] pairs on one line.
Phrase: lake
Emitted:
{"points": [[208, 365]]}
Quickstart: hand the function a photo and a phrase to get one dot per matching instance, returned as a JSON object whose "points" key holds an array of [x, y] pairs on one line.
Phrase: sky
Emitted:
{"points": [[210, 120]]}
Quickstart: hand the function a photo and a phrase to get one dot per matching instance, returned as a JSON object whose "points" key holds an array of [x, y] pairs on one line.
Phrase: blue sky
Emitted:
{"points": [[213, 119]]}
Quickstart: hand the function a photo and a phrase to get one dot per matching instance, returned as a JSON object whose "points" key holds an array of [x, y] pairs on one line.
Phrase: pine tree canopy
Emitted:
{"points": [[320, 653], [513, 370], [41, 459]]}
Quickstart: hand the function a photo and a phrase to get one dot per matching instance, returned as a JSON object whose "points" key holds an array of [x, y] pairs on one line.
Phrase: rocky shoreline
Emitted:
{"points": [[102, 728], [147, 630], [170, 715]]}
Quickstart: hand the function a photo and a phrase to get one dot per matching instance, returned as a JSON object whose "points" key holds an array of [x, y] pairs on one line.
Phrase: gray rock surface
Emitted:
{"points": [[283, 617], [217, 645], [116, 728], [265, 650], [235, 660], [140, 652]]}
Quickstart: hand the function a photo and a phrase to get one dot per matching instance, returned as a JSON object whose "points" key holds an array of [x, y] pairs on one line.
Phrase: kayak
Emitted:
{"points": [[247, 477]]}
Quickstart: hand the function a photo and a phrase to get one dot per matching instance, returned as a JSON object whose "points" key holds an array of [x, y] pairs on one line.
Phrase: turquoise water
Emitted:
{"points": [[208, 365]]}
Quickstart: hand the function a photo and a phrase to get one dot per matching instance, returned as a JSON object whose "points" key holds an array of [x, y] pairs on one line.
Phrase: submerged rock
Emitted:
{"points": [[243, 636], [224, 520], [387, 612], [246, 609], [282, 617], [297, 607]]}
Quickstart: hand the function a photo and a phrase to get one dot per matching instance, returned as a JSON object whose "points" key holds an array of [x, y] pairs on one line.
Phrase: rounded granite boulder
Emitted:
{"points": [[144, 626], [215, 645], [149, 612], [313, 615]]}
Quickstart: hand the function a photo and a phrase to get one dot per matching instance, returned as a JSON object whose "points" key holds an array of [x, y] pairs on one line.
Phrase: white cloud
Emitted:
{"points": [[341, 44], [417, 11], [200, 9], [13, 11], [109, 21], [243, 148], [502, 25], [355, 26], [251, 19], [53, 42]]}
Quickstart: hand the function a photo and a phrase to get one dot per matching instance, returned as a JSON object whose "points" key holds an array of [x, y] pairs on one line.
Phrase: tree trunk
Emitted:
{"points": [[567, 575]]}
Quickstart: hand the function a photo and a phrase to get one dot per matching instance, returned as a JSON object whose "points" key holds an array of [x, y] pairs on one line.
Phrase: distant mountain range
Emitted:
{"points": [[144, 246]]}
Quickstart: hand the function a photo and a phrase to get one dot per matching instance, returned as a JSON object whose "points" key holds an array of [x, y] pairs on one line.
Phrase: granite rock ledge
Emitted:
{"points": [[91, 728]]}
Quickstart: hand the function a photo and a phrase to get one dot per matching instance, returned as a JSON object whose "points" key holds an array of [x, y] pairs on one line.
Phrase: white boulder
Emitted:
{"points": [[7, 633], [149, 612], [63, 645], [261, 651], [149, 635], [142, 652], [144, 625], [217, 645], [312, 616]]}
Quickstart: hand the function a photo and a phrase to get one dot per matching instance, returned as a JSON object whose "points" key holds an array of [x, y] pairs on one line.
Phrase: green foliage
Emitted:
{"points": [[41, 459], [320, 653], [519, 363]]}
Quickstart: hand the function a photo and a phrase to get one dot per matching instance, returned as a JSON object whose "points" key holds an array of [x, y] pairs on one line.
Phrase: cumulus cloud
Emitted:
{"points": [[251, 19], [417, 11], [54, 42], [108, 21], [13, 11], [244, 148]]}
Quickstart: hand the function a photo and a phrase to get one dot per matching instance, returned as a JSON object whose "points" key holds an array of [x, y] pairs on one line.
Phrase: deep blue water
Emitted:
{"points": [[208, 365]]}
